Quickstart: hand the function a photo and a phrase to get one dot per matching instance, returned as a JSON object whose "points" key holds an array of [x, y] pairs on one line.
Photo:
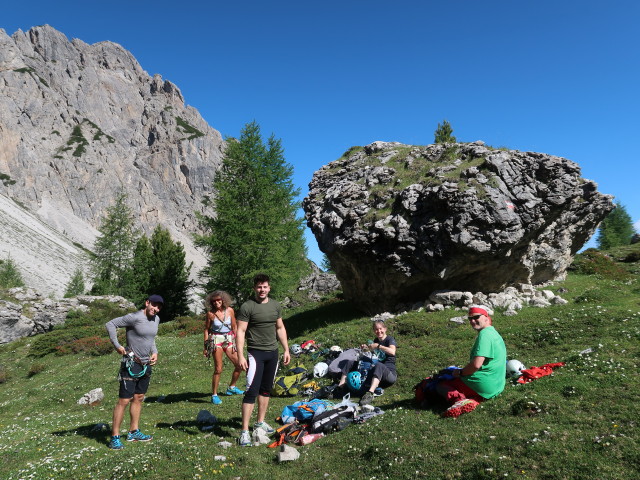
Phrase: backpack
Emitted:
{"points": [[288, 433], [332, 420], [304, 411], [289, 385]]}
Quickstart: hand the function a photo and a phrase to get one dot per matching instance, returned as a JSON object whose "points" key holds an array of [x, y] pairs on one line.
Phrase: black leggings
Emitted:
{"points": [[260, 374]]}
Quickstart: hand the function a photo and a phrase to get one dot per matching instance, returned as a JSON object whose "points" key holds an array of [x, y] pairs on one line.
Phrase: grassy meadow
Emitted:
{"points": [[581, 422]]}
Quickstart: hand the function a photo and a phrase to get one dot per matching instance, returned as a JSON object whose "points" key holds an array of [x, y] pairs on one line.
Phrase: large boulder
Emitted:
{"points": [[400, 221]]}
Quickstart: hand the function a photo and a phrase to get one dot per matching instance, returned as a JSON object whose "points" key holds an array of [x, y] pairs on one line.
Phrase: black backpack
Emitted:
{"points": [[332, 420]]}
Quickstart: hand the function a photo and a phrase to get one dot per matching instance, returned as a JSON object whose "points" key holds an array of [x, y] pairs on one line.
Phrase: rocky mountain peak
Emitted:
{"points": [[80, 123]]}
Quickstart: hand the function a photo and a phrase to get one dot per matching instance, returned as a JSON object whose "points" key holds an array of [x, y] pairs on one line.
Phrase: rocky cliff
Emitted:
{"points": [[80, 123], [399, 221]]}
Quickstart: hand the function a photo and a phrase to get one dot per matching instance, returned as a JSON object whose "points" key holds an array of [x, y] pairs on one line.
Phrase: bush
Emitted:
{"points": [[9, 274], [593, 295], [182, 326], [66, 341], [94, 345], [35, 368], [593, 262]]}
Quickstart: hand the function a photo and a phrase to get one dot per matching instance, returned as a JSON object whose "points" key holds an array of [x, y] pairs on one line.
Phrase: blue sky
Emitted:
{"points": [[555, 77]]}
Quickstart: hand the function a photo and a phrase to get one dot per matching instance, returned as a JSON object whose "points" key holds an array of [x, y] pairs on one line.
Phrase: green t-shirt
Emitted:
{"points": [[261, 319], [489, 380]]}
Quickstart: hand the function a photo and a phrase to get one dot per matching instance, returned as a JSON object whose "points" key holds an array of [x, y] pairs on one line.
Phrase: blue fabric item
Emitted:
{"points": [[304, 410]]}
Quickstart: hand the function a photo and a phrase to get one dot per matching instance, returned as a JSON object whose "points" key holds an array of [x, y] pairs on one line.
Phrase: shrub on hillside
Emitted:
{"points": [[35, 369], [593, 262], [100, 312], [94, 345], [593, 295], [182, 326], [66, 341]]}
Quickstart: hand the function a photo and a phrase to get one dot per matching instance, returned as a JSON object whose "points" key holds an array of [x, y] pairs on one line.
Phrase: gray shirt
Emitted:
{"points": [[141, 333]]}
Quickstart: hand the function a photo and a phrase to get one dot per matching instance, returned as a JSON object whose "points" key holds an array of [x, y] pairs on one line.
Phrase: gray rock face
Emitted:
{"points": [[399, 221], [30, 313], [80, 123]]}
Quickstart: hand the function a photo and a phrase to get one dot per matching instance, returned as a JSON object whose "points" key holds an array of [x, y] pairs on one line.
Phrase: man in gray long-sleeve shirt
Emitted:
{"points": [[135, 370]]}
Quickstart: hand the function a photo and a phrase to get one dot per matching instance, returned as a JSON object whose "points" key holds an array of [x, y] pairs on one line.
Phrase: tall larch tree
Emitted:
{"points": [[255, 227], [113, 250], [616, 229]]}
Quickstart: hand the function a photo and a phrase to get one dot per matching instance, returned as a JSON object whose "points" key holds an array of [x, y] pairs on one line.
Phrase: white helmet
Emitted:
{"points": [[514, 368], [320, 369], [335, 348], [295, 349]]}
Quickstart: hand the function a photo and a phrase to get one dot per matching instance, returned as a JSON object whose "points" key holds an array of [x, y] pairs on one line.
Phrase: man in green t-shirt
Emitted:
{"points": [[484, 376], [260, 324]]}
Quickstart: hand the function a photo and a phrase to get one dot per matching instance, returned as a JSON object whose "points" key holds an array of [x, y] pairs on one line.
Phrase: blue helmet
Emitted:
{"points": [[354, 381]]}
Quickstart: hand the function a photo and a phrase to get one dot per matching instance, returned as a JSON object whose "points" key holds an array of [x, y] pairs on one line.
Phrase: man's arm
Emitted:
{"points": [[470, 368], [242, 329], [112, 329], [281, 333]]}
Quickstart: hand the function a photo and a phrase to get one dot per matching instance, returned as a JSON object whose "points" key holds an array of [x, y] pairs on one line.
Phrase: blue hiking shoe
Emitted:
{"points": [[234, 391], [215, 399], [138, 436], [115, 443]]}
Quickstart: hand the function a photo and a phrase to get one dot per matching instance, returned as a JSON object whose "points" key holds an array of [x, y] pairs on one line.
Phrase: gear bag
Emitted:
{"points": [[332, 420], [289, 385]]}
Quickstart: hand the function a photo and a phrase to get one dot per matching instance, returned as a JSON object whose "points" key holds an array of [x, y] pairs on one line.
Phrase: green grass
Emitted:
{"points": [[581, 422]]}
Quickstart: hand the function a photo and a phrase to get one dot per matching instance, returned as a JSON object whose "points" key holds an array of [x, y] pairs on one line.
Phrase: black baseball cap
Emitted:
{"points": [[156, 299]]}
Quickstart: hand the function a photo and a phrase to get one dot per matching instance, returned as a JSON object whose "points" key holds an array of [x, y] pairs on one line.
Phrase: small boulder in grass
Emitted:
{"points": [[93, 397], [287, 454]]}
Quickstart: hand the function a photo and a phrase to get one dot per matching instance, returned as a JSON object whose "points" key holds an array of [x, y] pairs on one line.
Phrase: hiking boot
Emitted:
{"points": [[138, 436], [234, 391], [461, 406], [115, 443], [245, 439], [264, 426], [215, 399], [366, 399]]}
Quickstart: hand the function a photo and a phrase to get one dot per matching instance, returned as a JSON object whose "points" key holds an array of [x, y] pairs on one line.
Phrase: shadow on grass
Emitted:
{"points": [[100, 432], [435, 406], [228, 427], [192, 397], [330, 313]]}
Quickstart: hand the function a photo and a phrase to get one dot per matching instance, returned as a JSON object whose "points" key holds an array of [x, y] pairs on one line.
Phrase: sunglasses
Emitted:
{"points": [[475, 317]]}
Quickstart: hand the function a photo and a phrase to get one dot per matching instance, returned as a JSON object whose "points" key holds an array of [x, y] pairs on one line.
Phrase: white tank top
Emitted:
{"points": [[224, 326]]}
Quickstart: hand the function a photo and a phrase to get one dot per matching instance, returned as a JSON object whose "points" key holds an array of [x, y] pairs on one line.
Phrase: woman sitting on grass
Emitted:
{"points": [[383, 373], [220, 336]]}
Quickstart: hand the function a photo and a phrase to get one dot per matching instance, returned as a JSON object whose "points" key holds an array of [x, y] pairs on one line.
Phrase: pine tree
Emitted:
{"points": [[10, 276], [326, 264], [616, 229], [159, 266], [444, 133], [76, 285], [255, 228], [113, 250]]}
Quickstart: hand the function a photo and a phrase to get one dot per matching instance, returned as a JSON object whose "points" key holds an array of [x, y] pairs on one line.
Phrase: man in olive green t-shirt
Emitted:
{"points": [[260, 324], [484, 376]]}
